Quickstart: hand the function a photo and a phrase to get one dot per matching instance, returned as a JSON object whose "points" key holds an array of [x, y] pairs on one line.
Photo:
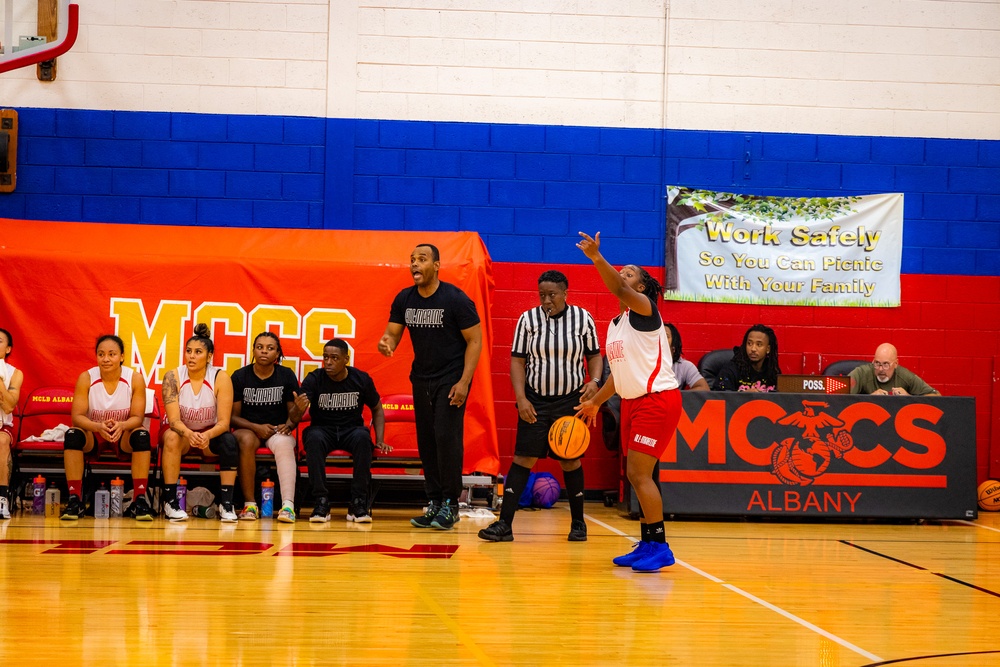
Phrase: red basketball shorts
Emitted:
{"points": [[648, 422]]}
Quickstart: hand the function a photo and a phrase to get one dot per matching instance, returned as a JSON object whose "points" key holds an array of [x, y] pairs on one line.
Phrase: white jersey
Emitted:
{"points": [[116, 406], [639, 360], [6, 376], [199, 412]]}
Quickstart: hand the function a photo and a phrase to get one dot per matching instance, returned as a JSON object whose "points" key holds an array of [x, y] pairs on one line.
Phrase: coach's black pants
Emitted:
{"points": [[439, 437]]}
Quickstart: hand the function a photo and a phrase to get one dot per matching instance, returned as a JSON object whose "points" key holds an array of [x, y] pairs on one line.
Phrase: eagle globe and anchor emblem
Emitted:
{"points": [[799, 461]]}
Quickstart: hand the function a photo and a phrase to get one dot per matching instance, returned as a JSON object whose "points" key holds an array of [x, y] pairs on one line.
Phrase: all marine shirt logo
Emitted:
{"points": [[799, 461]]}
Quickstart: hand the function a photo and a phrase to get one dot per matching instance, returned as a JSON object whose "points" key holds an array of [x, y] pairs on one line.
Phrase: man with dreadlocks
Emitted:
{"points": [[754, 366]]}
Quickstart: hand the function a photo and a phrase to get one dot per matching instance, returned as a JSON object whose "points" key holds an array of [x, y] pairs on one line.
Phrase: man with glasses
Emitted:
{"points": [[884, 376]]}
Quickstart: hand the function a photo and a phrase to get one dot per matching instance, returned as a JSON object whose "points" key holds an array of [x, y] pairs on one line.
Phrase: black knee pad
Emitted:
{"points": [[75, 440], [229, 451], [139, 440]]}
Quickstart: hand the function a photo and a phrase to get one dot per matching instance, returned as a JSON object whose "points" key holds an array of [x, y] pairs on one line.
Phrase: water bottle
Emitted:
{"points": [[52, 501], [203, 511], [117, 496], [182, 493], [102, 503], [267, 499], [38, 496]]}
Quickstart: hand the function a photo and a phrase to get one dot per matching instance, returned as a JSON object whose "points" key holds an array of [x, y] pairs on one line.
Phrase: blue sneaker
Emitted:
{"points": [[639, 551], [658, 556]]}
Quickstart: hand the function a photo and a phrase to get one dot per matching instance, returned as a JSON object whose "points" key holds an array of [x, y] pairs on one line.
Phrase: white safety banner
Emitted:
{"points": [[803, 251]]}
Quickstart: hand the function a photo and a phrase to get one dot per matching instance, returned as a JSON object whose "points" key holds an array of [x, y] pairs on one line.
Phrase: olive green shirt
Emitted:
{"points": [[865, 381]]}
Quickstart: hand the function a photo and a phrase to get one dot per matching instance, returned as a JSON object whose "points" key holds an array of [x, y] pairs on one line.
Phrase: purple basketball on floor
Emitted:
{"points": [[545, 491]]}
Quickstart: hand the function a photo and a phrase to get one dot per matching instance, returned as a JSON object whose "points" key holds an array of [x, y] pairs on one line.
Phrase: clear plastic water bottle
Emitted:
{"points": [[38, 496], [53, 501], [267, 499], [182, 493], [117, 496], [102, 503]]}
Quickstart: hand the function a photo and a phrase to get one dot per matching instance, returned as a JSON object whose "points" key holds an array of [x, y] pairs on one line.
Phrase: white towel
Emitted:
{"points": [[56, 434]]}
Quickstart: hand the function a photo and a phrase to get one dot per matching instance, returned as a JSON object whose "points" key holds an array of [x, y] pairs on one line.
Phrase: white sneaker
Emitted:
{"points": [[174, 512], [227, 514], [4, 508]]}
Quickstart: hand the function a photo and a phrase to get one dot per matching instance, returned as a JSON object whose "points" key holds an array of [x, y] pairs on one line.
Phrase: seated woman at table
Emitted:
{"points": [[686, 373], [198, 400], [754, 366], [10, 390], [109, 405]]}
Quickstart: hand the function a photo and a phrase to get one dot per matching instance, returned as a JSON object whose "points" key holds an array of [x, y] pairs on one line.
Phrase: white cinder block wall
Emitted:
{"points": [[926, 68]]}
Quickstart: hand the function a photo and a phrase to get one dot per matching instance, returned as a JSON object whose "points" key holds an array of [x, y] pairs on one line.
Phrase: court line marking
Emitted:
{"points": [[753, 598], [921, 568], [452, 625], [977, 525]]}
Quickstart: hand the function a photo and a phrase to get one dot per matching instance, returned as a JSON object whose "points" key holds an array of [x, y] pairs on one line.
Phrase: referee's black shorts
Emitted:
{"points": [[533, 439]]}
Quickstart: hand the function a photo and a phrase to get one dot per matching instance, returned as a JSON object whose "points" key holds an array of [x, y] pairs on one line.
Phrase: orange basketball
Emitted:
{"points": [[989, 494], [569, 437]]}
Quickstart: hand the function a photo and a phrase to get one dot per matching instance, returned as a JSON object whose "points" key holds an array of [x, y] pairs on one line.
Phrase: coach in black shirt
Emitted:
{"points": [[447, 339], [337, 395]]}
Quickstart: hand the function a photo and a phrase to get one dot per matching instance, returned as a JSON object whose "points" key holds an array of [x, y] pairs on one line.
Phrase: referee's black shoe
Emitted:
{"points": [[498, 531], [577, 532]]}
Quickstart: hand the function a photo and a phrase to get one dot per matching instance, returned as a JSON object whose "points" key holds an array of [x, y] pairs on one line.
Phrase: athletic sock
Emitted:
{"points": [[513, 487], [574, 491], [139, 485], [226, 494], [656, 532], [74, 487], [4, 489], [250, 503], [170, 492], [645, 532]]}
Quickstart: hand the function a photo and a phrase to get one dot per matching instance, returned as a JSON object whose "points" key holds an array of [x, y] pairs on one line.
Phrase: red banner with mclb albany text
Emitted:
{"points": [[64, 284]]}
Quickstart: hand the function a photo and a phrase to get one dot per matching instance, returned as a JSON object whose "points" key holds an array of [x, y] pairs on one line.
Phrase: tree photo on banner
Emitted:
{"points": [[805, 251]]}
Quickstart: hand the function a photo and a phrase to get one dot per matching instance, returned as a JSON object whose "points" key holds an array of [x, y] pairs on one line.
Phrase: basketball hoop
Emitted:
{"points": [[68, 26]]}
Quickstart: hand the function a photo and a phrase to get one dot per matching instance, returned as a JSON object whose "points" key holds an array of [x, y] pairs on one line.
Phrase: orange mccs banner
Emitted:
{"points": [[64, 284]]}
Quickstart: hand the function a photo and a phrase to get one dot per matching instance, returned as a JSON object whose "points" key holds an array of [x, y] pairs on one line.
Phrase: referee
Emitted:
{"points": [[555, 349]]}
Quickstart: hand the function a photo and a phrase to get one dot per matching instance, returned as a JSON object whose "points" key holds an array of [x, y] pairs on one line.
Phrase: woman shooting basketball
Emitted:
{"points": [[639, 356]]}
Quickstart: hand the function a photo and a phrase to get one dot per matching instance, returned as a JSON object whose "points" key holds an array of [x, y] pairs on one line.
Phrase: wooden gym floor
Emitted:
{"points": [[742, 593]]}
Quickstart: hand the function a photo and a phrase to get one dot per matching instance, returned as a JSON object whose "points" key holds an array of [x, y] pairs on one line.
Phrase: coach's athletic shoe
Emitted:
{"points": [[250, 512], [424, 521], [173, 510], [4, 508], [659, 556], [358, 513], [446, 517], [639, 551], [141, 510], [286, 514], [73, 511], [498, 531], [577, 532], [321, 513], [227, 514]]}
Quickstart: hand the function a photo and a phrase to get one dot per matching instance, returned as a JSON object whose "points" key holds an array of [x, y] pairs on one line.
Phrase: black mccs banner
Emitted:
{"points": [[809, 455]]}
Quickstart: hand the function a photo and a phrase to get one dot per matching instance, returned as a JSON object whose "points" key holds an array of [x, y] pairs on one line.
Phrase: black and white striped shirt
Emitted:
{"points": [[555, 348]]}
